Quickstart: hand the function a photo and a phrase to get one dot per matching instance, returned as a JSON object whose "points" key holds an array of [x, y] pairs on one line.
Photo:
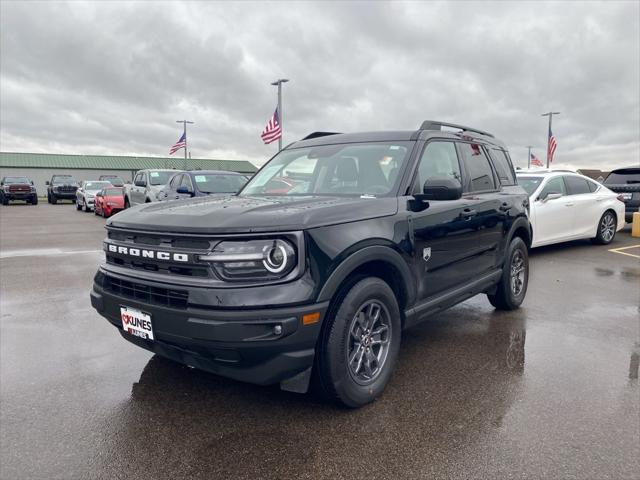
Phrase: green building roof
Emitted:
{"points": [[112, 162]]}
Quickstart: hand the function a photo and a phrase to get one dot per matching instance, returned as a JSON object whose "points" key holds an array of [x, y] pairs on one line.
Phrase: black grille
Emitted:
{"points": [[145, 293], [161, 267]]}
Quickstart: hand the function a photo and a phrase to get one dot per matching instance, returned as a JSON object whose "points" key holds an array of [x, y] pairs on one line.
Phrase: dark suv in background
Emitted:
{"points": [[626, 182], [377, 232], [61, 187]]}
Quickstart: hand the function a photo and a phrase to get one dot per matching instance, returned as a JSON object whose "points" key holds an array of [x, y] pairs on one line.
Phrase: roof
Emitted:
{"points": [[113, 162]]}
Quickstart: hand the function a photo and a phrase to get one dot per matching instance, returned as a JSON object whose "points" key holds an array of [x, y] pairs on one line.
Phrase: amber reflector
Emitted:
{"points": [[311, 318]]}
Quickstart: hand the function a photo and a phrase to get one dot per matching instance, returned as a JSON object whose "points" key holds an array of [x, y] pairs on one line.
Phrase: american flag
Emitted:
{"points": [[551, 146], [536, 161], [272, 131], [182, 143]]}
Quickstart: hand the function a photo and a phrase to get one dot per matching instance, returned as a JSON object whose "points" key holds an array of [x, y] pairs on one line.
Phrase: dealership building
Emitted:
{"points": [[39, 167]]}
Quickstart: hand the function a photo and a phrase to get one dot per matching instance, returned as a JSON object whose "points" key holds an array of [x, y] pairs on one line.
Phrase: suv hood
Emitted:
{"points": [[233, 214]]}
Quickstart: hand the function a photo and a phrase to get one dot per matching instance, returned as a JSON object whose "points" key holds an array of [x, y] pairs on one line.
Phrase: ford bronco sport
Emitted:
{"points": [[377, 232]]}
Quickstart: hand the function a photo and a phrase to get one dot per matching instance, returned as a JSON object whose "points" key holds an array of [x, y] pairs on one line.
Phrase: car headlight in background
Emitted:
{"points": [[253, 259]]}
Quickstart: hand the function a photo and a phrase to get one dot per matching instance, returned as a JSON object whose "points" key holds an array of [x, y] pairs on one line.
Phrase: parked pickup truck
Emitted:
{"points": [[626, 182], [146, 186], [17, 188], [61, 187]]}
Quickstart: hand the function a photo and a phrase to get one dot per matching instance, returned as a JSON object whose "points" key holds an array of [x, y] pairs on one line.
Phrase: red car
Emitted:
{"points": [[108, 201]]}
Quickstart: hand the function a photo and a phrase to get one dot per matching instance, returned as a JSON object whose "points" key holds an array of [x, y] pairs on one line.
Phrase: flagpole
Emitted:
{"points": [[184, 123], [279, 83], [550, 115], [529, 156]]}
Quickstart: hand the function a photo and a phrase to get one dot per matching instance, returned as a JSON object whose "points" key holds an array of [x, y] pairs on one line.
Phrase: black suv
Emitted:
{"points": [[61, 187], [376, 232]]}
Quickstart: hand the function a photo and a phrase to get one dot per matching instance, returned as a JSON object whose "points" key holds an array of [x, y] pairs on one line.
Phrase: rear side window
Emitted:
{"points": [[576, 185], [175, 182], [592, 186], [503, 167], [478, 168]]}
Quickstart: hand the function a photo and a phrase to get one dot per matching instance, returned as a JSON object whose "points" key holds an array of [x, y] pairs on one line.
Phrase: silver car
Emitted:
{"points": [[85, 195]]}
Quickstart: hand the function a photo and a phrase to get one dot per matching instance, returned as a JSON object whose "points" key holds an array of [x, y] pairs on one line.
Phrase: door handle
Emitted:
{"points": [[466, 214]]}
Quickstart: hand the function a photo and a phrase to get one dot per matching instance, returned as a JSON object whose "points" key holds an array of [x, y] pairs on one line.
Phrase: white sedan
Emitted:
{"points": [[567, 206]]}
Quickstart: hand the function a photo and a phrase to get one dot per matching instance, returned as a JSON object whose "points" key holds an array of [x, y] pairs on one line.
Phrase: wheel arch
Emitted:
{"points": [[373, 261], [521, 228]]}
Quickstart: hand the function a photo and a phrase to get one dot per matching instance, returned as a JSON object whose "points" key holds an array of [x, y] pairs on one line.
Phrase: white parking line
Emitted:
{"points": [[44, 252]]}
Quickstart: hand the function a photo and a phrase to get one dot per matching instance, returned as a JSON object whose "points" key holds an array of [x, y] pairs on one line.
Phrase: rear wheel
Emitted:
{"points": [[359, 343], [606, 228], [511, 290]]}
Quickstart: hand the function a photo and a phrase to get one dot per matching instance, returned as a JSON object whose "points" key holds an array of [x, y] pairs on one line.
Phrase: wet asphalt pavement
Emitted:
{"points": [[547, 391]]}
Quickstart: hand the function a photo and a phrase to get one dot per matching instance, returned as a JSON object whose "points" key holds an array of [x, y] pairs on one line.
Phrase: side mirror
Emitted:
{"points": [[140, 183], [442, 188], [551, 196], [47, 182], [182, 189]]}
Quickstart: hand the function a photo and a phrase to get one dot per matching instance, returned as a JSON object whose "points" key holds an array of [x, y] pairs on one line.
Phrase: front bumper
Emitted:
{"points": [[19, 195], [65, 195], [243, 344]]}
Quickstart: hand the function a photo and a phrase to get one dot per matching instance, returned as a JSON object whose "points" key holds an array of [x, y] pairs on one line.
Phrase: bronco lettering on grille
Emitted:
{"points": [[144, 253]]}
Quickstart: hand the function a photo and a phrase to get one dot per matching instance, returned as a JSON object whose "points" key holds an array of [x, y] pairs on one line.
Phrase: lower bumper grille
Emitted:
{"points": [[145, 293]]}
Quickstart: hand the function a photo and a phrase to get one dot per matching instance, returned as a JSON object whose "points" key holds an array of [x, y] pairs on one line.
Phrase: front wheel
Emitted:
{"points": [[359, 343], [34, 200], [511, 290], [126, 203], [78, 206], [606, 229], [54, 200]]}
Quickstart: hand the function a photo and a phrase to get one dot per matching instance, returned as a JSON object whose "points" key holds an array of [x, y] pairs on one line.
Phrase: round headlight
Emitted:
{"points": [[276, 258]]}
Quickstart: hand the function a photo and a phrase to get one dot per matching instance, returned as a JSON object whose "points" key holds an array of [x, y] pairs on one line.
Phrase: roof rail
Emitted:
{"points": [[435, 125], [319, 134]]}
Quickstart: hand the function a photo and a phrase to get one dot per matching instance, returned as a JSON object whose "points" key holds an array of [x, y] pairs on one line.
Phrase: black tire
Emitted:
{"points": [[606, 228], [5, 200], [126, 203], [508, 296], [48, 198], [34, 200], [337, 380], [78, 206], [85, 207], [54, 200]]}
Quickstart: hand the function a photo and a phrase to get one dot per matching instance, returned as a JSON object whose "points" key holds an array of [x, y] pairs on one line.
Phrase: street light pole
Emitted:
{"points": [[550, 115], [184, 123], [279, 83]]}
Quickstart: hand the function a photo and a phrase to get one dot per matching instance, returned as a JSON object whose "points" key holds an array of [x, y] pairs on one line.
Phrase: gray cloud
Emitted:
{"points": [[114, 77]]}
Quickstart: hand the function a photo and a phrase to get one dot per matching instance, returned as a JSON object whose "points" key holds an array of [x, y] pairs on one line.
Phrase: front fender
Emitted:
{"points": [[368, 254]]}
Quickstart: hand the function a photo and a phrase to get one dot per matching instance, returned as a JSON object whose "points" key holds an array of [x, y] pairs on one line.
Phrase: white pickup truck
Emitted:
{"points": [[146, 186]]}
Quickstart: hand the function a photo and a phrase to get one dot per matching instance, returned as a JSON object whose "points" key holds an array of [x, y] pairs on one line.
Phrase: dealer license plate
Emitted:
{"points": [[136, 322], [627, 196]]}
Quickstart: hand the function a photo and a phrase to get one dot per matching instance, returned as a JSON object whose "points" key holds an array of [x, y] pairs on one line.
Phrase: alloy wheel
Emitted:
{"points": [[517, 273], [607, 227], [369, 341]]}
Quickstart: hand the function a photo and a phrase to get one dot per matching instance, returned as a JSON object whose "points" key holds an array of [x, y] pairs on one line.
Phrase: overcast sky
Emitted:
{"points": [[112, 78]]}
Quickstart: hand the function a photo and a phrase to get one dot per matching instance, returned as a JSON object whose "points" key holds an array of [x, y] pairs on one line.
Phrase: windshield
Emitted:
{"points": [[219, 183], [57, 179], [95, 185], [346, 169], [624, 177], [530, 184], [16, 180], [160, 178]]}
